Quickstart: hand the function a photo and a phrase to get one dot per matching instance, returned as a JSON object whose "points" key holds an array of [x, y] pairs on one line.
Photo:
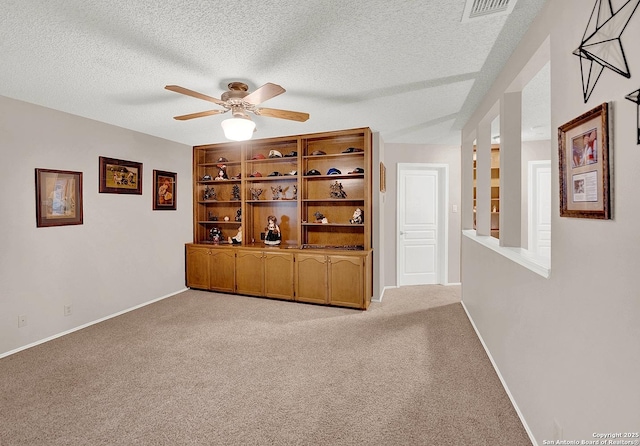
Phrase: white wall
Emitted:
{"points": [[568, 347], [414, 153], [123, 255]]}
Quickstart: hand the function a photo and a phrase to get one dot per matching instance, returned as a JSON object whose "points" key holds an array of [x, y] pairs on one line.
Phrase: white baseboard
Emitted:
{"points": [[452, 283], [50, 338], [504, 384], [379, 299]]}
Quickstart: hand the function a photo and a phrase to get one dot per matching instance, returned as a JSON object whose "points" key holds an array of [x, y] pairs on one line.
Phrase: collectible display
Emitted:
{"points": [[215, 234], [273, 235], [222, 173], [237, 239], [275, 192], [209, 193], [320, 218], [239, 214], [235, 193], [358, 217], [337, 191], [255, 194]]}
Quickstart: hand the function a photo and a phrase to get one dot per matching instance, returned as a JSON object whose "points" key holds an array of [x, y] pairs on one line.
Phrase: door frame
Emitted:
{"points": [[443, 217]]}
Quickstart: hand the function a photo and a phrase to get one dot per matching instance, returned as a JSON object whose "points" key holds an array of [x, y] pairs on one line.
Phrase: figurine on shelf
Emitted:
{"points": [[212, 217], [215, 234], [320, 218], [295, 192], [222, 173], [209, 193], [235, 193], [273, 236], [239, 214], [255, 194], [337, 191], [358, 217], [237, 239], [206, 177], [276, 191]]}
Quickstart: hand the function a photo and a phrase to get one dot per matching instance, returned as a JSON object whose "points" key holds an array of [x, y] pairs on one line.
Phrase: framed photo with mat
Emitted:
{"points": [[583, 145], [164, 190], [58, 198], [119, 176]]}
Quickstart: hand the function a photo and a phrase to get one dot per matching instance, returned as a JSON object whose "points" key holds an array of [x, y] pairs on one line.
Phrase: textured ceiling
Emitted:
{"points": [[408, 69]]}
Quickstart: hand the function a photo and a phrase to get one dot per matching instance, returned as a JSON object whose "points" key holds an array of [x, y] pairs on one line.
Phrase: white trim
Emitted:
{"points": [[382, 294], [504, 384], [64, 333], [443, 209], [452, 283], [537, 264]]}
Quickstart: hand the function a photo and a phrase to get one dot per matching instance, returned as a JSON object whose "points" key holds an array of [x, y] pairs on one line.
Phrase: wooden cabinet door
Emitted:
{"points": [[222, 270], [346, 281], [197, 264], [249, 272], [278, 275], [311, 278]]}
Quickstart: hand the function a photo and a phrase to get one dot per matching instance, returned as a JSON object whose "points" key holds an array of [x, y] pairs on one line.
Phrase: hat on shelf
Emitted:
{"points": [[275, 154], [222, 159], [293, 172], [313, 172], [255, 174], [357, 170], [334, 171], [290, 154], [318, 152], [275, 174], [236, 177], [258, 156], [207, 177], [352, 150]]}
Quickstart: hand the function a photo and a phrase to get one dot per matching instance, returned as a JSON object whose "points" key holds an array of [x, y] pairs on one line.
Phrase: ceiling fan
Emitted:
{"points": [[239, 102]]}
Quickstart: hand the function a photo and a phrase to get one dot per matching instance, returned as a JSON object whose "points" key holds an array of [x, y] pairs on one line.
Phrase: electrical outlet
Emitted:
{"points": [[67, 310], [557, 431], [22, 321]]}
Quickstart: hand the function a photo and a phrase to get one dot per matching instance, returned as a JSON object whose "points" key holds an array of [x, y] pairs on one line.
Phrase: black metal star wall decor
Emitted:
{"points": [[635, 97], [601, 46]]}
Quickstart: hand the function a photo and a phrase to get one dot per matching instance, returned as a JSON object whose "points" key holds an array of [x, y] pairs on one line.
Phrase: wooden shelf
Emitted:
{"points": [[295, 217]]}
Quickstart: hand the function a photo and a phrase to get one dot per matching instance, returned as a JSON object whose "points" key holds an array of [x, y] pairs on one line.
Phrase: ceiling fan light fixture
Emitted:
{"points": [[238, 128]]}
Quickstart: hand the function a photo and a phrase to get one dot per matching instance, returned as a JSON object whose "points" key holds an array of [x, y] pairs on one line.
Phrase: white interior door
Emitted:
{"points": [[540, 208], [421, 211]]}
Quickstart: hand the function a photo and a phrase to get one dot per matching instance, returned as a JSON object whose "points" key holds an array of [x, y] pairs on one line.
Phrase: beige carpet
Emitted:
{"points": [[211, 369]]}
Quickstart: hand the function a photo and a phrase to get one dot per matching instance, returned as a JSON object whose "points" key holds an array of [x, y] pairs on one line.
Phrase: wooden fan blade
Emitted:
{"points": [[194, 94], [267, 91], [198, 115], [282, 114]]}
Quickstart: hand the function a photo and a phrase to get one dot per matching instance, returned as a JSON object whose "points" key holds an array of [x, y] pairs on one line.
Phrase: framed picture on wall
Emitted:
{"points": [[120, 176], [58, 198], [583, 145], [164, 190]]}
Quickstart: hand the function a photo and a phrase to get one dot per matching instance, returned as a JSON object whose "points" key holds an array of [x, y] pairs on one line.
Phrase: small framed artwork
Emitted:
{"points": [[58, 198], [583, 144], [164, 190], [383, 177], [120, 176]]}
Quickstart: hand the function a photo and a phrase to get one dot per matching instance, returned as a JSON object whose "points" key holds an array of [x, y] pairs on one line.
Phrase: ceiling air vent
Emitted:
{"points": [[476, 9]]}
